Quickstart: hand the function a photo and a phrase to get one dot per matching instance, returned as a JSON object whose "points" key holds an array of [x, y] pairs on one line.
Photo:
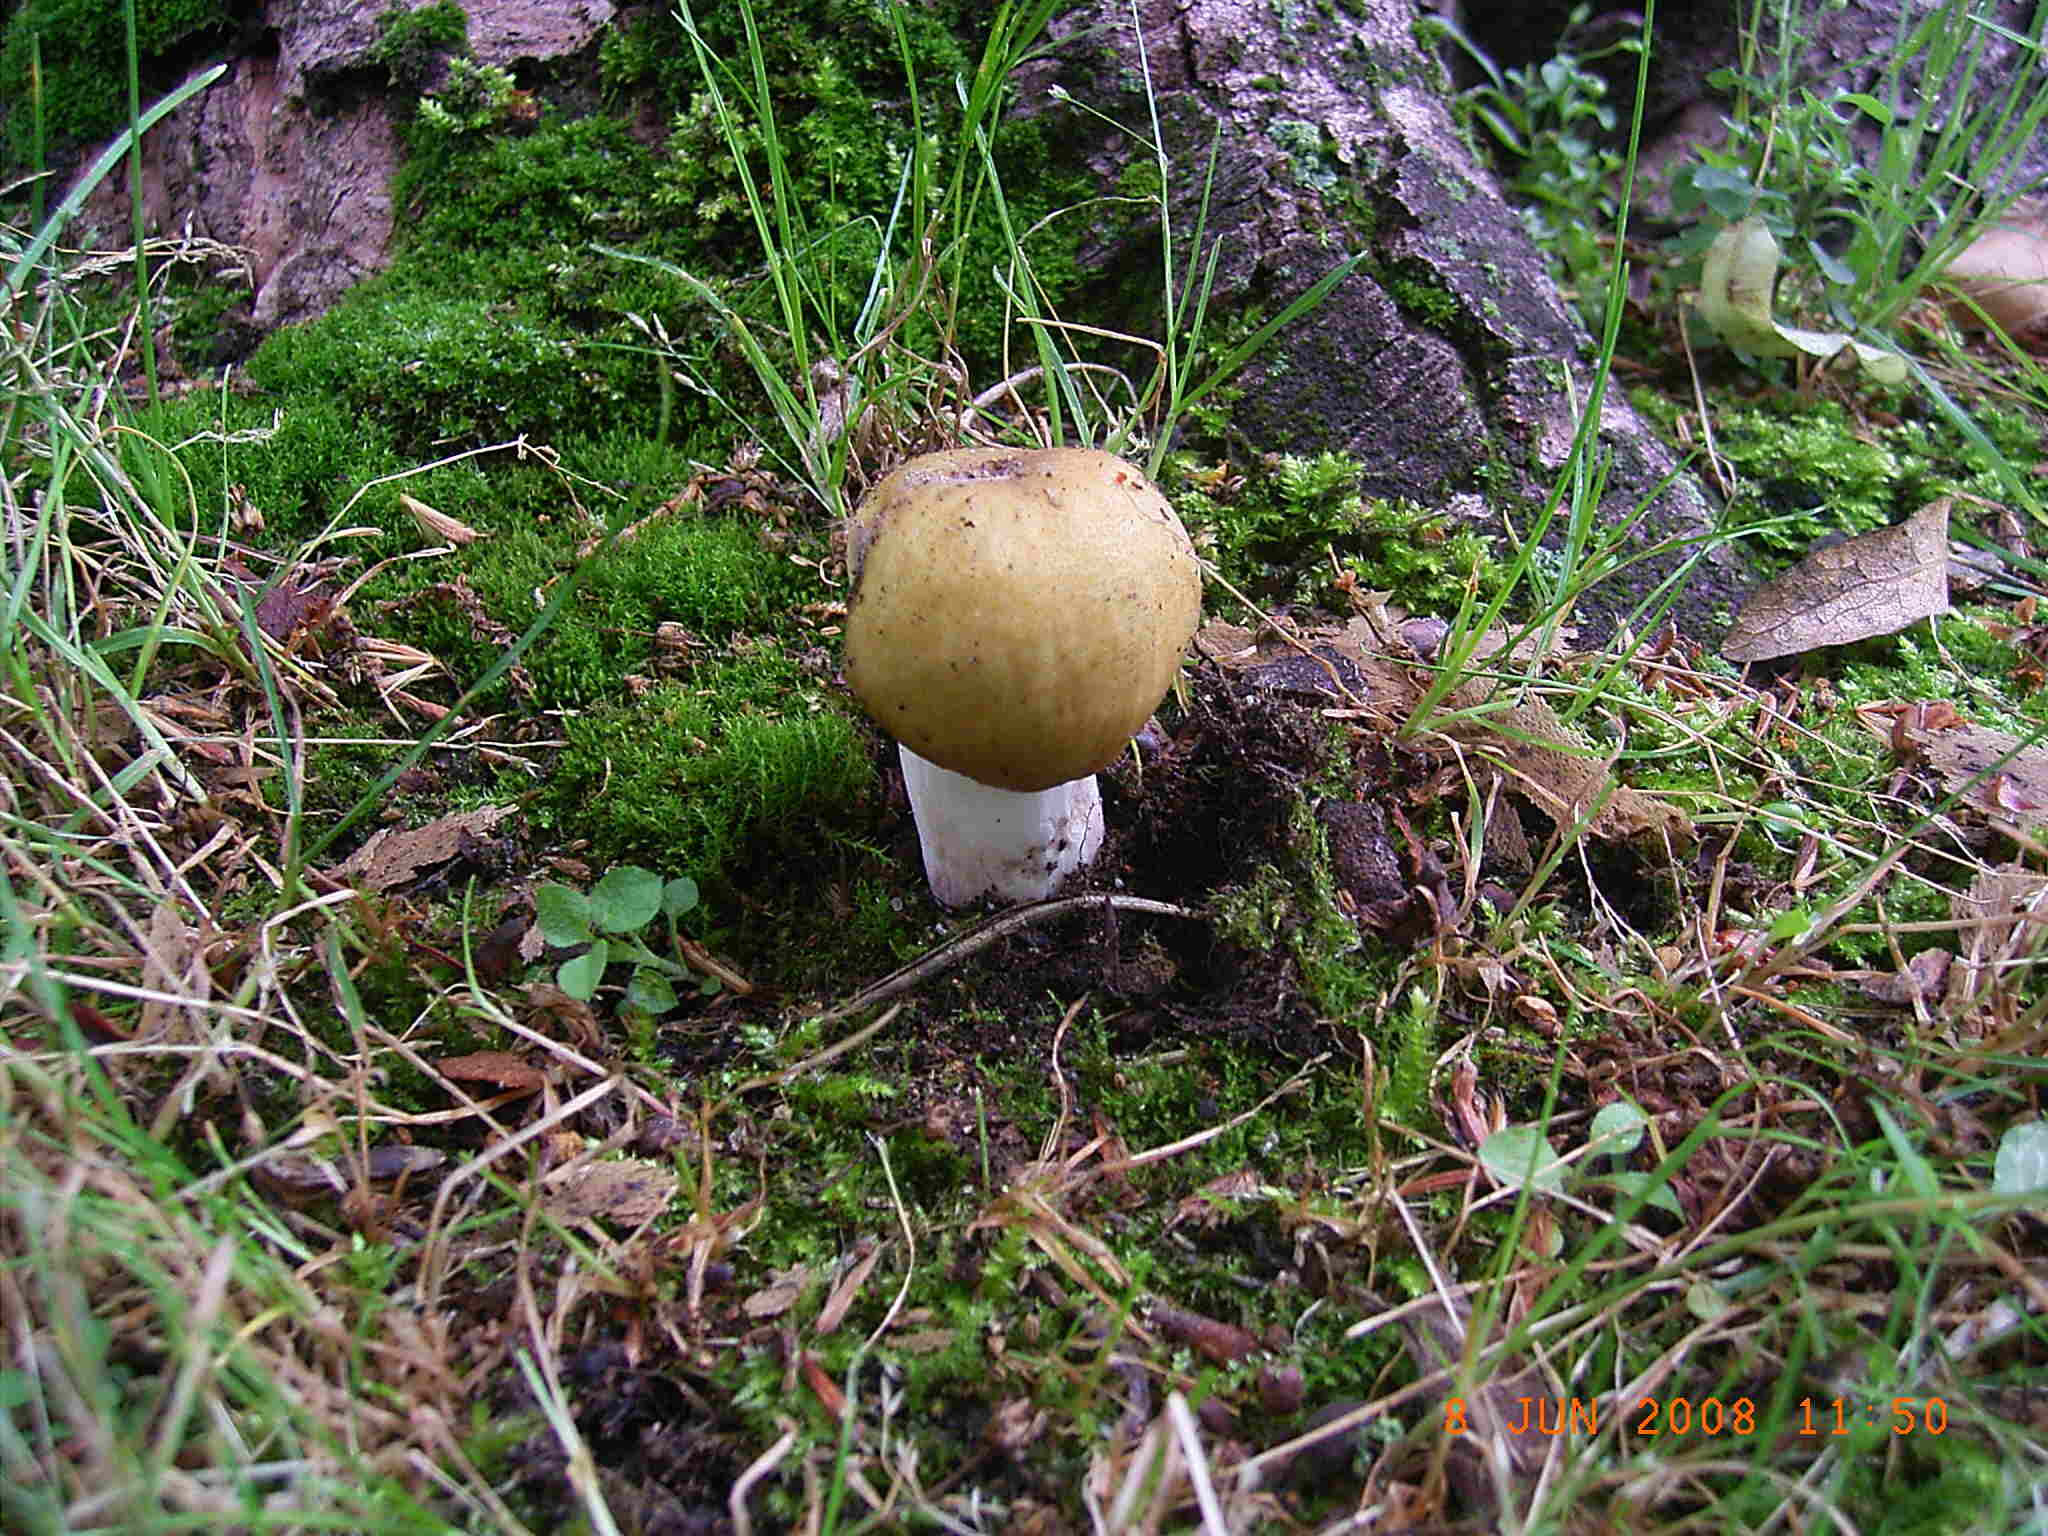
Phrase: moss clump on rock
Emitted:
{"points": [[433, 367], [1273, 535], [408, 41]]}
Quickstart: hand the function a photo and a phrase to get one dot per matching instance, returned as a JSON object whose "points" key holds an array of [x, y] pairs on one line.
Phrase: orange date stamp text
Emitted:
{"points": [[1653, 1417]]}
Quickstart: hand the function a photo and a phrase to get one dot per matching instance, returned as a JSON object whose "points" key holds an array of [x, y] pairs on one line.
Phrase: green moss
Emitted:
{"points": [[653, 56], [1937, 1490], [338, 776], [1274, 536], [709, 575], [500, 219], [501, 210], [1981, 653], [474, 99], [297, 461], [1311, 152], [430, 369], [408, 41], [1141, 180], [1430, 303], [1267, 535], [1293, 906], [1809, 470], [195, 309], [687, 776]]}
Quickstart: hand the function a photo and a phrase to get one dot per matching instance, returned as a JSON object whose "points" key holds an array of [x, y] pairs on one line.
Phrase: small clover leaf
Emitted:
{"points": [[1520, 1155], [564, 915], [1618, 1128], [678, 897], [626, 899], [649, 989], [1726, 190], [579, 977], [1629, 1185], [608, 921], [2021, 1166]]}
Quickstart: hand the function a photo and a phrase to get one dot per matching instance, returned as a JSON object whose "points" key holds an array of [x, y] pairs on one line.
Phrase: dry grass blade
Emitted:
{"points": [[1572, 1025], [151, 768]]}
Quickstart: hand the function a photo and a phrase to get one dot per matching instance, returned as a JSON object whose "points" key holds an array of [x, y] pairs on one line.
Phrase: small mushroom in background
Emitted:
{"points": [[1017, 615]]}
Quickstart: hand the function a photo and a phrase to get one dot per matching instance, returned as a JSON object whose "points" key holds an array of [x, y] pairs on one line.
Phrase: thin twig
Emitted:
{"points": [[702, 959], [964, 946], [743, 1486]]}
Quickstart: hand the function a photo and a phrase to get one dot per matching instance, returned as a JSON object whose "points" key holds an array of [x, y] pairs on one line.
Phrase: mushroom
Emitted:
{"points": [[1017, 614]]}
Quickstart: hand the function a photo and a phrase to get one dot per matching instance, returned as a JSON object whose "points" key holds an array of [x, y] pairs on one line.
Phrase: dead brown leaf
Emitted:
{"points": [[436, 524], [2004, 778], [288, 608], [295, 1178], [784, 1288], [1470, 1113], [498, 953], [923, 1341], [822, 1386], [1551, 765], [500, 1069], [2004, 917], [1343, 663], [1875, 584], [1905, 723], [174, 965], [1558, 769], [562, 1017], [1492, 1446], [1218, 1342], [1015, 1426], [627, 1193], [398, 856], [1216, 1200], [833, 1313], [2004, 274], [1922, 977]]}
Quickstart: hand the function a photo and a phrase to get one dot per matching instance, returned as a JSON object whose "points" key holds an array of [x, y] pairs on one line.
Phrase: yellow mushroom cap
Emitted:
{"points": [[1017, 614]]}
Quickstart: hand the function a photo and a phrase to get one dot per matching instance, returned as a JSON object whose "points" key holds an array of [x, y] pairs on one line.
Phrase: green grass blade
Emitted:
{"points": [[108, 158]]}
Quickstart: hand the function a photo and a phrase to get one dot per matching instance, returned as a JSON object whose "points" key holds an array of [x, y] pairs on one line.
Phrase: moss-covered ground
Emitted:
{"points": [[1233, 1139]]}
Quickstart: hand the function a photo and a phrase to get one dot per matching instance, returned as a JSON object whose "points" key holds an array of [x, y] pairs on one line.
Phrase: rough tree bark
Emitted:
{"points": [[1336, 129], [290, 157]]}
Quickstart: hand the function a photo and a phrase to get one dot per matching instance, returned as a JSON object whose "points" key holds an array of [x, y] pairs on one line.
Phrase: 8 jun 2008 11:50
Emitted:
{"points": [[1710, 1416]]}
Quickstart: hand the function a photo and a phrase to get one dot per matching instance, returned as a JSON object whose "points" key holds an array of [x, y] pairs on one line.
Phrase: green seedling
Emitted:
{"points": [[1552, 128], [1523, 1154], [2021, 1167], [609, 920]]}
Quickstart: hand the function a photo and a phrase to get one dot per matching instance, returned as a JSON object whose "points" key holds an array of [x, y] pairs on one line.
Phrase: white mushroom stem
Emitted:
{"points": [[1018, 845]]}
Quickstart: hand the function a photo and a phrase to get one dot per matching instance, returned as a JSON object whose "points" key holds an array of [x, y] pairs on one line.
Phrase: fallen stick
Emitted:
{"points": [[964, 946]]}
